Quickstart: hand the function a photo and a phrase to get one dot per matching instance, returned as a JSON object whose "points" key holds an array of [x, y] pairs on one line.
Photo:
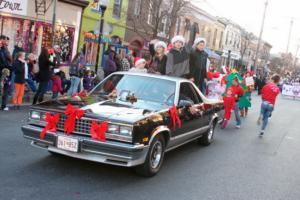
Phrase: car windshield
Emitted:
{"points": [[143, 89]]}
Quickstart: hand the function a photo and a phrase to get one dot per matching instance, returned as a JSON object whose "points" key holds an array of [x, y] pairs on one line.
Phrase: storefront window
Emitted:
{"points": [[64, 37]]}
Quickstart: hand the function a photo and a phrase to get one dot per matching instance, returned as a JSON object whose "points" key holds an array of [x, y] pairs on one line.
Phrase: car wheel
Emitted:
{"points": [[154, 158], [208, 137]]}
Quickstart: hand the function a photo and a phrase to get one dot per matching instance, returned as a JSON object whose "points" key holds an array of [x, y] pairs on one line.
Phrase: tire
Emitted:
{"points": [[208, 137], [154, 158]]}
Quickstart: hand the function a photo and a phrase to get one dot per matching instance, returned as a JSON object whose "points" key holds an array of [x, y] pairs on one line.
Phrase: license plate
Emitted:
{"points": [[66, 143]]}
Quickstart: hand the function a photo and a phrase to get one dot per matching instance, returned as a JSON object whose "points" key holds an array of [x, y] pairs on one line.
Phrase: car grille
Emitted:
{"points": [[82, 126]]}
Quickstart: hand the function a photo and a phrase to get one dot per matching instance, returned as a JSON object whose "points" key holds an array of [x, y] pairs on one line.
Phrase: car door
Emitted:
{"points": [[191, 123]]}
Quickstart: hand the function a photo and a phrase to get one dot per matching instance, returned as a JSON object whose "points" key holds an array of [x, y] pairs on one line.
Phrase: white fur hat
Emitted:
{"points": [[56, 70], [160, 44], [139, 61], [198, 40], [178, 38]]}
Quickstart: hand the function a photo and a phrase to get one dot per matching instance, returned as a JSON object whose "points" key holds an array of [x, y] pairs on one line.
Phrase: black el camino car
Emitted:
{"points": [[136, 107]]}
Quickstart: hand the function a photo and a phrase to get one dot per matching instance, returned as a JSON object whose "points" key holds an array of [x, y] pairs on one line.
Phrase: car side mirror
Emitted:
{"points": [[184, 103]]}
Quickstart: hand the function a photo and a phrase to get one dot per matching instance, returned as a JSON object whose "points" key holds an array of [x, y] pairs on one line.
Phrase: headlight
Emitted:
{"points": [[35, 115], [115, 129], [119, 132], [125, 130]]}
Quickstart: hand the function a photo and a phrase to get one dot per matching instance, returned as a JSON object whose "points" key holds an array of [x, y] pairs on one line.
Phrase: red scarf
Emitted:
{"points": [[175, 120], [52, 121], [98, 131], [73, 114]]}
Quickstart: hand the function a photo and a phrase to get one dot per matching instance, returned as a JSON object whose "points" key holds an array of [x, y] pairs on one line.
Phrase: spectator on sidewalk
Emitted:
{"points": [[76, 72], [43, 76], [6, 60], [159, 58], [4, 88], [31, 62], [18, 48], [111, 66], [56, 84], [88, 79], [269, 94], [19, 66], [125, 64]]}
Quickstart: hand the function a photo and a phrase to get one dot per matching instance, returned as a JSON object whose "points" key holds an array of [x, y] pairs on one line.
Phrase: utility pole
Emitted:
{"points": [[53, 22], [296, 55], [260, 35], [289, 38]]}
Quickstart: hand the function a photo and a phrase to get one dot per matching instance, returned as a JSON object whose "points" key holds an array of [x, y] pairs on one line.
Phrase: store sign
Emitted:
{"points": [[18, 7], [233, 55]]}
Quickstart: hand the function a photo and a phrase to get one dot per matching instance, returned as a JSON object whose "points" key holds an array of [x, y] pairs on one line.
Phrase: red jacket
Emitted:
{"points": [[269, 93], [237, 92], [56, 84]]}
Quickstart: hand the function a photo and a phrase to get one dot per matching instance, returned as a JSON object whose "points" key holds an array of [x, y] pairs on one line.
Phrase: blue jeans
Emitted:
{"points": [[31, 84], [12, 84], [237, 114], [75, 82], [265, 112]]}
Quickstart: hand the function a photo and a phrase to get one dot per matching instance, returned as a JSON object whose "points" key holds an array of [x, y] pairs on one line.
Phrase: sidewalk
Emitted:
{"points": [[28, 99]]}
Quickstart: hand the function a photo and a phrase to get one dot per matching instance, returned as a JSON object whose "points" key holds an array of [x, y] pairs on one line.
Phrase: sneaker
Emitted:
{"points": [[6, 109], [261, 134], [224, 124], [238, 126]]}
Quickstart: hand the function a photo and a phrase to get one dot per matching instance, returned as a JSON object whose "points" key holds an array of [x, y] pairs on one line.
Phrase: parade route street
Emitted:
{"points": [[237, 166]]}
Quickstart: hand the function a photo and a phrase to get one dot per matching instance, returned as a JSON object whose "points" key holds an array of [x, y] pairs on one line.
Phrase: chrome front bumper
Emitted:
{"points": [[109, 152]]}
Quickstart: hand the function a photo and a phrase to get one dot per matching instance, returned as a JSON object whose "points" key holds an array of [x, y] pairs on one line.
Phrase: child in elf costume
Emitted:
{"points": [[245, 101], [234, 81], [229, 104]]}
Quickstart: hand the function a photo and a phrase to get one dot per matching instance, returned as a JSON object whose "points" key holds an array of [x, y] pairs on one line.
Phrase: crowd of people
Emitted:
{"points": [[179, 58]]}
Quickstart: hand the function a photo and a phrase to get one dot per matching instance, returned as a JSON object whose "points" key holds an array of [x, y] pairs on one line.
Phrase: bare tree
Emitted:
{"points": [[176, 11], [146, 23], [247, 38]]}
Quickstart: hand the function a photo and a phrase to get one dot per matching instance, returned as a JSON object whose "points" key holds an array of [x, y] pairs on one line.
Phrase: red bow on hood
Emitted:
{"points": [[73, 114], [52, 121], [175, 120], [98, 131], [81, 94]]}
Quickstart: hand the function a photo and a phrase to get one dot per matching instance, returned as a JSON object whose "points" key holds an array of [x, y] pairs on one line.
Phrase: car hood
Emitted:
{"points": [[104, 110]]}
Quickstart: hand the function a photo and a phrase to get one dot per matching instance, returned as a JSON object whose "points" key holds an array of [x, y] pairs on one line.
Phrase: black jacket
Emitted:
{"points": [[19, 71], [16, 51], [198, 62], [44, 69]]}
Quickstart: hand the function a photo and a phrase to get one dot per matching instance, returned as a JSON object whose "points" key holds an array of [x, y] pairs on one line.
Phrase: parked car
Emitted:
{"points": [[140, 126]]}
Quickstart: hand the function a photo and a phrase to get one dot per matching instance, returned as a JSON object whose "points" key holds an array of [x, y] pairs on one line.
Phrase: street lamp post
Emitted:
{"points": [[53, 22], [228, 58], [103, 6]]}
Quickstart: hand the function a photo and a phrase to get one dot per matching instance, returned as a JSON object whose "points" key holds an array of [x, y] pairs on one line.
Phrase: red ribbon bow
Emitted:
{"points": [[98, 131], [73, 114], [175, 120], [52, 121], [81, 94]]}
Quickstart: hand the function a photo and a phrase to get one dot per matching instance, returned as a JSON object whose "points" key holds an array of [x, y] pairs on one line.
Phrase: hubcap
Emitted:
{"points": [[156, 154], [210, 133]]}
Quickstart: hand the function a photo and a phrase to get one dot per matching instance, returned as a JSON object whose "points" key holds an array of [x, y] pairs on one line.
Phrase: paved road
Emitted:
{"points": [[238, 165]]}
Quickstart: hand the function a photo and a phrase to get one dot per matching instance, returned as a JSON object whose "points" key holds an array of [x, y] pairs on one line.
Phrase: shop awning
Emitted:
{"points": [[81, 3], [212, 54]]}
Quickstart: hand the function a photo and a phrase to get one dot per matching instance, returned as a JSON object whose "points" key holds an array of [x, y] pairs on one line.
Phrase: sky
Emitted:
{"points": [[249, 13]]}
